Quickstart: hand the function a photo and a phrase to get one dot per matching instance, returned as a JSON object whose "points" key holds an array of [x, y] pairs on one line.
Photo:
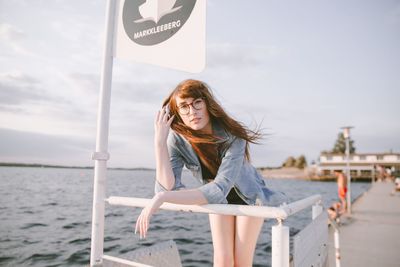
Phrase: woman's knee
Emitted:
{"points": [[240, 261], [223, 259]]}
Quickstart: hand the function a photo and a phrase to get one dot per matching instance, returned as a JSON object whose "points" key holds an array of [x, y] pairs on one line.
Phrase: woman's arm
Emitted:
{"points": [[186, 197], [229, 170], [164, 174], [165, 177]]}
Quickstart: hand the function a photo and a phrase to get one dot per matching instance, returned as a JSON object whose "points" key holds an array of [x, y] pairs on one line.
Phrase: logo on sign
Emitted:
{"points": [[154, 21]]}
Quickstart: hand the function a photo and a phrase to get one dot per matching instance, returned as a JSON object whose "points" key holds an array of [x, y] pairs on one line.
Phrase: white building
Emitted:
{"points": [[361, 165]]}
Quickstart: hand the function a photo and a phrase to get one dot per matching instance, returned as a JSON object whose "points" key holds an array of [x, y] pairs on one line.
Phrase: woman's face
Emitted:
{"points": [[194, 113]]}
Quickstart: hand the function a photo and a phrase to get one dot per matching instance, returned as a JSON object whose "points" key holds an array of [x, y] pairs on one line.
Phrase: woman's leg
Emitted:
{"points": [[223, 233], [247, 231]]}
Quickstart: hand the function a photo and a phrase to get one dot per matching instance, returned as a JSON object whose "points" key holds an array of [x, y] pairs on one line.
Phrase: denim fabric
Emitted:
{"points": [[234, 171]]}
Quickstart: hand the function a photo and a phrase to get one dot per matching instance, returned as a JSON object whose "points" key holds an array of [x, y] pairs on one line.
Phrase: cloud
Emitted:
{"points": [[11, 33], [17, 89], [125, 89], [141, 91], [85, 82], [239, 56], [13, 37], [20, 146], [24, 98], [31, 147]]}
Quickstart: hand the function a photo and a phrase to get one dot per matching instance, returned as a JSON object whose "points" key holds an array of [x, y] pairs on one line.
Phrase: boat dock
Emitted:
{"points": [[370, 236]]}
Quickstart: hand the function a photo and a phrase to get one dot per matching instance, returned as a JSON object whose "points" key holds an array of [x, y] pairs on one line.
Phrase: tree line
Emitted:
{"points": [[338, 148]]}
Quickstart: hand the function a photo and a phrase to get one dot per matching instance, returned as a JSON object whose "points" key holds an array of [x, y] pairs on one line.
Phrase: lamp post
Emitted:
{"points": [[346, 134]]}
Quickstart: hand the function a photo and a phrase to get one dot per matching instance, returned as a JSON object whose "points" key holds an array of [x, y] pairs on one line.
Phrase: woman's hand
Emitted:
{"points": [[162, 124], [143, 221]]}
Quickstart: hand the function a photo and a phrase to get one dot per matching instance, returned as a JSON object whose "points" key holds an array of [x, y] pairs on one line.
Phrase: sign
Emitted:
{"points": [[168, 33]]}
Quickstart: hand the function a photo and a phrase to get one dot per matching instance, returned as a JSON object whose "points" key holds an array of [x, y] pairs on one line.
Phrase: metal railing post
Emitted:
{"points": [[280, 245], [348, 174], [336, 242], [373, 174], [101, 155], [316, 210], [337, 247]]}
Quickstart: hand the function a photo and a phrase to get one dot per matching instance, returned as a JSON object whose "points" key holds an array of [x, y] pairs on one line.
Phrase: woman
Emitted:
{"points": [[215, 148]]}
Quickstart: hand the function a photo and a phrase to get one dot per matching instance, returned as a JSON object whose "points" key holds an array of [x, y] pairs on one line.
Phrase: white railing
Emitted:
{"points": [[280, 233], [279, 213]]}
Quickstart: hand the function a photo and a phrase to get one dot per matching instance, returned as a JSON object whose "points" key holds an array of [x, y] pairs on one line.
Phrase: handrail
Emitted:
{"points": [[279, 213], [300, 205], [279, 234]]}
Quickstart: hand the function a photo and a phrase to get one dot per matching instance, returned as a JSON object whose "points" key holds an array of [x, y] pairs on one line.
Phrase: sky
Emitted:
{"points": [[298, 69]]}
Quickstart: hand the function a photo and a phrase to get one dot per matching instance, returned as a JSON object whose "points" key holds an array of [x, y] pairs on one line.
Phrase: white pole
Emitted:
{"points": [[280, 245], [348, 174], [101, 155], [316, 211], [337, 247], [373, 174]]}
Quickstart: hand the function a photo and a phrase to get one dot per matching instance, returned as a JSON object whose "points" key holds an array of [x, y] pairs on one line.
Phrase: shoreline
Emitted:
{"points": [[267, 172], [38, 165], [305, 174], [285, 173]]}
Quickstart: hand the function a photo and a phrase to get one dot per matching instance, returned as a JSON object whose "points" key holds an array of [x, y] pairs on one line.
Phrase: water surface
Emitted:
{"points": [[45, 217]]}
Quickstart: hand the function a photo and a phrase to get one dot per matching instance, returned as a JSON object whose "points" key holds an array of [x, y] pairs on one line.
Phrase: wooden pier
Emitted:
{"points": [[370, 236]]}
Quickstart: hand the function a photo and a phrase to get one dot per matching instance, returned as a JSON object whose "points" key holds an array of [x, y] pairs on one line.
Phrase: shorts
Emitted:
{"points": [[234, 198], [342, 191]]}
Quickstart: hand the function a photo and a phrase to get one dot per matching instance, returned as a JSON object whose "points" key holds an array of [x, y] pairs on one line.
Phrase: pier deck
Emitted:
{"points": [[370, 236]]}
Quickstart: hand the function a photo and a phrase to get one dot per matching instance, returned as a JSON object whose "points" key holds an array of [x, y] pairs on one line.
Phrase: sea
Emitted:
{"points": [[45, 217]]}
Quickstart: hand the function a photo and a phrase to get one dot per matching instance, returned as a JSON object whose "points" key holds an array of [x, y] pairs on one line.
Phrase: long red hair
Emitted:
{"points": [[206, 145]]}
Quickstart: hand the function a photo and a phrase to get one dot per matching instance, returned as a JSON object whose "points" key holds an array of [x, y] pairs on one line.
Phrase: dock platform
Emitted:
{"points": [[370, 236]]}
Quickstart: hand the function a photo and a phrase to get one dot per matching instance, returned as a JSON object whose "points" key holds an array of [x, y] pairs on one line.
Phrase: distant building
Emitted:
{"points": [[362, 166]]}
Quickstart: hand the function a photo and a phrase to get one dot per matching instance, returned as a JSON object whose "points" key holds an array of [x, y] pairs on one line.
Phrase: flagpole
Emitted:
{"points": [[100, 156]]}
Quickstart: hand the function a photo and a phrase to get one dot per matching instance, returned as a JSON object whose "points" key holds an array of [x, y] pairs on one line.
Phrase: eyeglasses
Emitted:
{"points": [[197, 104]]}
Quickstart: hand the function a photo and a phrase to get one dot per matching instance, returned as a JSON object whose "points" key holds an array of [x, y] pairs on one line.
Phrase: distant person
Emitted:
{"points": [[389, 175], [342, 189], [334, 211], [215, 148], [381, 173], [397, 183], [397, 186]]}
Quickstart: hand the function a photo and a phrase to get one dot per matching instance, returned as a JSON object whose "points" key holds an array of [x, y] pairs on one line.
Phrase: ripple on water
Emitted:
{"points": [[267, 247], [110, 238], [183, 241], [79, 257], [29, 242], [189, 261], [183, 251], [80, 241], [200, 241], [28, 212], [111, 248], [50, 204], [42, 257], [180, 228], [6, 259], [114, 214], [293, 231], [75, 225], [32, 225], [128, 229], [127, 249]]}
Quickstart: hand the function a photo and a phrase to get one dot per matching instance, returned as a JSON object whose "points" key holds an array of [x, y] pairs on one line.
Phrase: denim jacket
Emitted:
{"points": [[235, 171]]}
